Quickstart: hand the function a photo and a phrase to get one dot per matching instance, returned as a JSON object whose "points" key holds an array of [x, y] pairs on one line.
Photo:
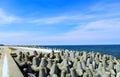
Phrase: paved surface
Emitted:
{"points": [[13, 70], [1, 61], [5, 67]]}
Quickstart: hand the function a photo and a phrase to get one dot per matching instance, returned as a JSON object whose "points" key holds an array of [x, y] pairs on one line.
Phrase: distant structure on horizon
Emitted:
{"points": [[1, 44]]}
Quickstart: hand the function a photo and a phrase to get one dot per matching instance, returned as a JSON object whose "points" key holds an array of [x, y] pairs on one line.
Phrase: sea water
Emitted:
{"points": [[113, 50]]}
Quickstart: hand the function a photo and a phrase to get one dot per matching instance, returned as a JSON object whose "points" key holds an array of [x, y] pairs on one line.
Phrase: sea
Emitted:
{"points": [[113, 50]]}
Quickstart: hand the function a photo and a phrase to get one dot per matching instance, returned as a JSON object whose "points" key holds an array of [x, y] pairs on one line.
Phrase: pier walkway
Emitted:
{"points": [[8, 67]]}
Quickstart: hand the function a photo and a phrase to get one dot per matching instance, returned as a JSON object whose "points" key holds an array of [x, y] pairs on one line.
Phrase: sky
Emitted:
{"points": [[59, 22]]}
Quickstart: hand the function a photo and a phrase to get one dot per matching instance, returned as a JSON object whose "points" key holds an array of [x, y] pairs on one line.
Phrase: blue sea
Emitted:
{"points": [[113, 50]]}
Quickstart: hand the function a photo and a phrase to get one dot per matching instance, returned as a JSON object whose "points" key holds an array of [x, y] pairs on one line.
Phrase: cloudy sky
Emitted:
{"points": [[59, 22]]}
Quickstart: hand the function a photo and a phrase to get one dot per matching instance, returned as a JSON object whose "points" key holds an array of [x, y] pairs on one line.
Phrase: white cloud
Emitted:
{"points": [[100, 28], [50, 20], [6, 19], [95, 12], [108, 7], [96, 30], [61, 19], [16, 37]]}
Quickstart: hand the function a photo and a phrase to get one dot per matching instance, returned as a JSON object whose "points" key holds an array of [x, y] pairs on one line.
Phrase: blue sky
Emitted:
{"points": [[59, 22]]}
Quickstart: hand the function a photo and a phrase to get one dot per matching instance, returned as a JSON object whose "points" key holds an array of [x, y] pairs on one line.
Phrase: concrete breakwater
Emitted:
{"points": [[67, 64]]}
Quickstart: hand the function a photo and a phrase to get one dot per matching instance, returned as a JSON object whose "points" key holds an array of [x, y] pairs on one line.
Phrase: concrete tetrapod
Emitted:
{"points": [[69, 64], [79, 69], [63, 73], [54, 69], [118, 74], [73, 72], [20, 60], [42, 72], [35, 64]]}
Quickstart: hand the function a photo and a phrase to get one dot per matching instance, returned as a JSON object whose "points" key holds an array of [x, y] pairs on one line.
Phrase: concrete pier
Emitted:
{"points": [[8, 67]]}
